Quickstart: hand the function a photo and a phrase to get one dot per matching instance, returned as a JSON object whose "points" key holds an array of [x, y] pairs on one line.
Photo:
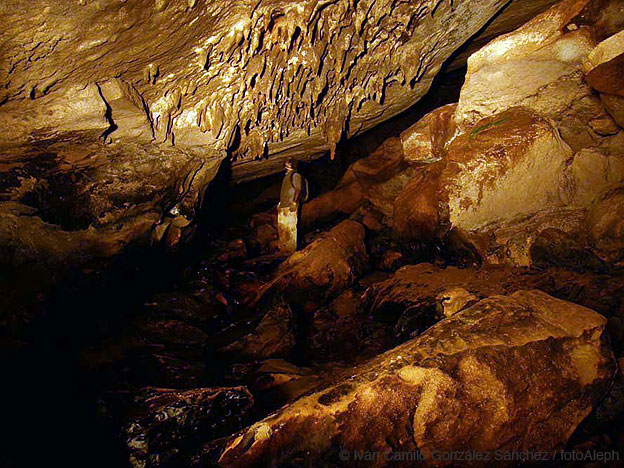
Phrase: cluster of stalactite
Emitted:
{"points": [[296, 66]]}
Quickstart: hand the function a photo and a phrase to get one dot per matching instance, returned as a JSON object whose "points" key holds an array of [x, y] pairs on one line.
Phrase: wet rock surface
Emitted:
{"points": [[111, 134], [459, 282], [166, 422], [448, 382]]}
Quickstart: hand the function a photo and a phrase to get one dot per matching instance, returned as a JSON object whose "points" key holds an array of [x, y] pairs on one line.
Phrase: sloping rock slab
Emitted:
{"points": [[326, 267], [515, 372]]}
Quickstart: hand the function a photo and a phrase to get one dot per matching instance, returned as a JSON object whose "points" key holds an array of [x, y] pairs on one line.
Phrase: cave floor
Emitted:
{"points": [[186, 323]]}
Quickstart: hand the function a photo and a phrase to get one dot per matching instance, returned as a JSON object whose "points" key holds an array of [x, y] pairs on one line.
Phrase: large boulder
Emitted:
{"points": [[605, 68], [508, 166], [591, 171], [367, 179], [539, 66], [417, 213], [273, 337], [326, 267], [511, 373]]}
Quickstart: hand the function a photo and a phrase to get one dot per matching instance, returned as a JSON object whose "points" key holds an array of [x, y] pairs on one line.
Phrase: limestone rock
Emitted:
{"points": [[225, 71], [427, 140], [185, 339], [517, 158], [169, 420], [511, 242], [416, 213], [553, 247], [334, 330], [477, 379], [539, 66], [605, 223], [604, 67], [276, 380], [589, 174], [454, 300], [273, 337], [364, 180], [326, 267], [425, 291]]}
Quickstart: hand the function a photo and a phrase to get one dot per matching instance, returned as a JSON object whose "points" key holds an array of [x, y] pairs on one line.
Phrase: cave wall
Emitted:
{"points": [[115, 116]]}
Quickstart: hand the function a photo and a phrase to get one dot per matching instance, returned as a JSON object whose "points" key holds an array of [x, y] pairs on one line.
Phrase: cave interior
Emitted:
{"points": [[312, 233]]}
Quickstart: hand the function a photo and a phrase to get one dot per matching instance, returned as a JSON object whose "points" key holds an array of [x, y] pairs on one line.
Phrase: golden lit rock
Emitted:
{"points": [[454, 385]]}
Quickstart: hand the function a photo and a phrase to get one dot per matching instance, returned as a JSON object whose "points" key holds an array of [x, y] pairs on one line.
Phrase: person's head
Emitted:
{"points": [[290, 165]]}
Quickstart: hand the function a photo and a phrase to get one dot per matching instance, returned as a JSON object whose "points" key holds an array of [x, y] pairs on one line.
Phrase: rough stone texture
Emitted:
{"points": [[334, 330], [554, 247], [326, 267], [504, 177], [508, 166], [273, 337], [455, 386], [116, 116], [511, 242], [427, 140], [517, 13], [605, 67], [605, 222], [591, 171], [538, 66], [167, 420], [367, 179], [277, 380]]}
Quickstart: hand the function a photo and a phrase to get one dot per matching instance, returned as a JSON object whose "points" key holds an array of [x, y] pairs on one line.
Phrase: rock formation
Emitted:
{"points": [[171, 419], [453, 387], [115, 116], [459, 284], [326, 267]]}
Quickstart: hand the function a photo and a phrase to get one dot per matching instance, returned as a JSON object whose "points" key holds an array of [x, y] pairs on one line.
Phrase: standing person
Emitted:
{"points": [[294, 190]]}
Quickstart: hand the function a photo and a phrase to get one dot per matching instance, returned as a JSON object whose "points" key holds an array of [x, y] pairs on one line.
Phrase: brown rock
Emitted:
{"points": [[381, 165], [278, 381], [553, 247], [590, 173], [342, 201], [155, 366], [326, 267], [477, 380], [426, 141], [234, 250], [391, 260], [362, 181], [416, 214], [605, 65], [614, 106], [537, 66], [605, 222], [420, 290], [273, 337], [167, 420], [334, 330], [383, 195], [510, 242], [509, 165], [454, 300]]}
